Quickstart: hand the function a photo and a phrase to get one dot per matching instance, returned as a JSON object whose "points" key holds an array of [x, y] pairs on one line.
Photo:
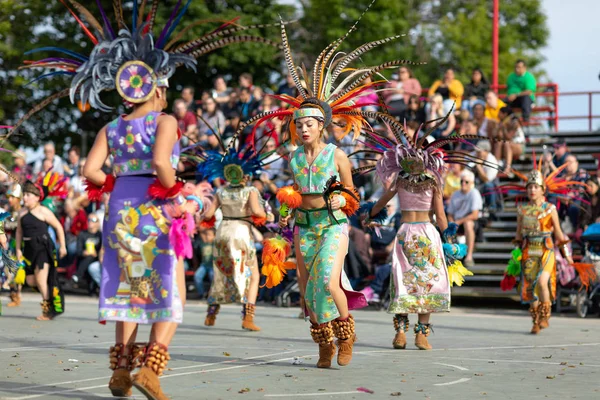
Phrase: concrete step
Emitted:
{"points": [[506, 225], [486, 257], [507, 247], [483, 291]]}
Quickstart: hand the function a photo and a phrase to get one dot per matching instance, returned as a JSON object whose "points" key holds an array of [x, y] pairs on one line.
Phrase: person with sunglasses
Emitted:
{"points": [[89, 244], [464, 209]]}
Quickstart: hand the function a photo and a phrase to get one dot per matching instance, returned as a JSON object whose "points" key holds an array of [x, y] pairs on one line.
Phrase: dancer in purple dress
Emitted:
{"points": [[149, 216]]}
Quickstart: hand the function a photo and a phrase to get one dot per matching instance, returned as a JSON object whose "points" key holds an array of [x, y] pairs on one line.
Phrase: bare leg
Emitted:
{"points": [[41, 277], [126, 332], [543, 286], [253, 286], [302, 276], [509, 156], [424, 318], [339, 297], [470, 236], [163, 332]]}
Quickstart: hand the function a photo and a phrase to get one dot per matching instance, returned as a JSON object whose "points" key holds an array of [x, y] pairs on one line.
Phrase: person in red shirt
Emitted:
{"points": [[186, 120]]}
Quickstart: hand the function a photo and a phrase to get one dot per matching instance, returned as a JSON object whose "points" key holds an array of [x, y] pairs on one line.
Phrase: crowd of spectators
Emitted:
{"points": [[469, 191]]}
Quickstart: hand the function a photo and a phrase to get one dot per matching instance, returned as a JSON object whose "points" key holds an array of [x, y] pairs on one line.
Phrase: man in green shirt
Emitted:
{"points": [[521, 87]]}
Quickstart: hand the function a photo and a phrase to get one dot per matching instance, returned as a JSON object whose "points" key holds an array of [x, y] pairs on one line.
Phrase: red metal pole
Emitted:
{"points": [[495, 23]]}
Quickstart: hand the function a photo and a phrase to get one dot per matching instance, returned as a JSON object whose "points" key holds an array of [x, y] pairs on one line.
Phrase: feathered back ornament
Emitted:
{"points": [[133, 57], [413, 161], [324, 91]]}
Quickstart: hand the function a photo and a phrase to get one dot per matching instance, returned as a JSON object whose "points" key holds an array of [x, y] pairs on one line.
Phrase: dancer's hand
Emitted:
{"points": [[335, 203], [570, 260], [19, 255], [283, 221], [62, 252]]}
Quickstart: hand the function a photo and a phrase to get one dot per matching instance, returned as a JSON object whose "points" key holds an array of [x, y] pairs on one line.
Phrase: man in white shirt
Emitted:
{"points": [[49, 154], [486, 175], [464, 209]]}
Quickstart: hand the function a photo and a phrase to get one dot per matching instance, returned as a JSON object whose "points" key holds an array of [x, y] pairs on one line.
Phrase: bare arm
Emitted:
{"points": [[558, 233], [438, 209], [54, 223], [92, 169], [166, 137], [473, 216], [19, 237], [213, 209], [255, 207], [344, 167], [383, 200]]}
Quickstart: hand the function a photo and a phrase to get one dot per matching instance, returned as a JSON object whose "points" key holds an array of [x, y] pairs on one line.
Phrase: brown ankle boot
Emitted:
{"points": [[16, 300], [401, 325], [421, 333], [323, 335], [211, 315], [123, 359], [544, 311], [535, 317], [46, 315], [344, 331], [146, 381], [248, 321]]}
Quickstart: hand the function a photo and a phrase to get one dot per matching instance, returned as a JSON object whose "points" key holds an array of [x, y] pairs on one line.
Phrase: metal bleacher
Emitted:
{"points": [[492, 255]]}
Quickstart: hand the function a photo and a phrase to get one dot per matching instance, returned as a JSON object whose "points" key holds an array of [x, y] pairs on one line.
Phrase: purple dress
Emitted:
{"points": [[138, 274]]}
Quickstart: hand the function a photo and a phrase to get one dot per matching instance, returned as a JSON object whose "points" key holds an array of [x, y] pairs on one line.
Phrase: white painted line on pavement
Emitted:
{"points": [[521, 361], [461, 380], [453, 366], [53, 346], [488, 348], [314, 394]]}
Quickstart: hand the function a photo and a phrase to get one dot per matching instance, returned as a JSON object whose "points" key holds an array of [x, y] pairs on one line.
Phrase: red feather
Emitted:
{"points": [[208, 223], [157, 191], [508, 283], [85, 29]]}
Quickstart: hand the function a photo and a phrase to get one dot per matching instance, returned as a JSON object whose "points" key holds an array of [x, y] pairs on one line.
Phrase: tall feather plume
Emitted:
{"points": [[209, 36], [118, 7], [107, 23], [80, 22], [287, 52], [38, 107], [230, 40], [337, 44], [434, 127], [89, 17], [397, 128], [343, 62], [152, 16], [167, 26], [140, 18]]}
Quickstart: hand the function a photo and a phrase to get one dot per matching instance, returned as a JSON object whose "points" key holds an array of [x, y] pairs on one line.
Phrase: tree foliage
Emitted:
{"points": [[29, 24], [442, 33]]}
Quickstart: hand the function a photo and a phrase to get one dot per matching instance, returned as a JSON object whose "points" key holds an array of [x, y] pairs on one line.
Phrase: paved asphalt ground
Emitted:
{"points": [[478, 354]]}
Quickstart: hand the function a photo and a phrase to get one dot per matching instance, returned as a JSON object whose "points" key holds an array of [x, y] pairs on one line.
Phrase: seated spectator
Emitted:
{"points": [[520, 87], [404, 88], [74, 222], [449, 88], [591, 212], [186, 120], [187, 95], [414, 112], [451, 180], [437, 111], [210, 119], [246, 81], [486, 175], [485, 126], [71, 167], [561, 152], [288, 87], [493, 105], [50, 160], [464, 209], [246, 106], [221, 92], [510, 143], [574, 203], [475, 90], [205, 249], [89, 244]]}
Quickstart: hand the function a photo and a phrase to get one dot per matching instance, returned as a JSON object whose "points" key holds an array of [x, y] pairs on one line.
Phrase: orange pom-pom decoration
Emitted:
{"points": [[258, 221], [208, 223], [587, 274], [289, 196], [275, 251], [352, 204]]}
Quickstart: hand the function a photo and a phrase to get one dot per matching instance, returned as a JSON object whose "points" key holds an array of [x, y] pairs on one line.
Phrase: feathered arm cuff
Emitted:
{"points": [[367, 207], [95, 192], [157, 191], [208, 223], [351, 198], [449, 234]]}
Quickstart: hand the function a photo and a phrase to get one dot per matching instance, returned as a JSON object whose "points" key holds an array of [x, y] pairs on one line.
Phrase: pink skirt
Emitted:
{"points": [[419, 282]]}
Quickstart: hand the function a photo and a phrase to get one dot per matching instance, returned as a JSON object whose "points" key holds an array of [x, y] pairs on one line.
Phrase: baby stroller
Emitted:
{"points": [[589, 301]]}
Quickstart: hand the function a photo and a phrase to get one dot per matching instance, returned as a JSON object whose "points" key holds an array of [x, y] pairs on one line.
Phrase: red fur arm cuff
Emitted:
{"points": [[352, 202], [208, 223], [95, 192], [157, 191]]}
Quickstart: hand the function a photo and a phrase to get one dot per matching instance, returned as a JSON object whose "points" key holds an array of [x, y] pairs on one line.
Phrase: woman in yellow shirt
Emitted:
{"points": [[493, 105]]}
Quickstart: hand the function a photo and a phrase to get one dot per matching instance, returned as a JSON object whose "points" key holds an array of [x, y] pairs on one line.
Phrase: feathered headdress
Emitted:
{"points": [[416, 164], [130, 59], [551, 183], [322, 94]]}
